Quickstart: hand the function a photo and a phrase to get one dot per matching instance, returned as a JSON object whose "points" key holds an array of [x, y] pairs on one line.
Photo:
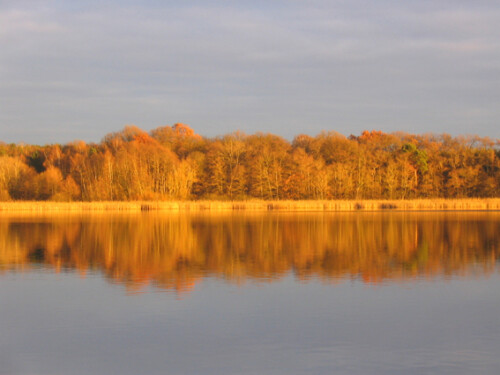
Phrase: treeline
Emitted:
{"points": [[173, 162]]}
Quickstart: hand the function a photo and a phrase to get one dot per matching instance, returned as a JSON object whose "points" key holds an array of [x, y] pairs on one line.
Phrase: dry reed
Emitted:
{"points": [[258, 205]]}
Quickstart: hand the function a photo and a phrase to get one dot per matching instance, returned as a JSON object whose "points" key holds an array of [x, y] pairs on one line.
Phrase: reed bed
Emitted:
{"points": [[258, 205]]}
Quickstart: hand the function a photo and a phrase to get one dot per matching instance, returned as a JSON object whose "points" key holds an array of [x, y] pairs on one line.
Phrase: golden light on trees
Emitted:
{"points": [[175, 163]]}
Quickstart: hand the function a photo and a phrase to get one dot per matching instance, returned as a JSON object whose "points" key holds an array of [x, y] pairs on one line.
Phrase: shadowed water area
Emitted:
{"points": [[250, 293]]}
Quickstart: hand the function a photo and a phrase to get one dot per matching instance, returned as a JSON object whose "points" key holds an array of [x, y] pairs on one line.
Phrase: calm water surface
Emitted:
{"points": [[240, 293]]}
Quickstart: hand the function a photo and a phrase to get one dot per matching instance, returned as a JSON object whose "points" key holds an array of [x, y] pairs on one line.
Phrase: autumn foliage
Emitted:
{"points": [[173, 162]]}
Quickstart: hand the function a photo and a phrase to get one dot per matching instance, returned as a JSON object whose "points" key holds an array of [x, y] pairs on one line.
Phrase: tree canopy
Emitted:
{"points": [[173, 162]]}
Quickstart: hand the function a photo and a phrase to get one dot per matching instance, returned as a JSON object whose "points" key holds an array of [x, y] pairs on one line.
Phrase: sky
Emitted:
{"points": [[81, 69]]}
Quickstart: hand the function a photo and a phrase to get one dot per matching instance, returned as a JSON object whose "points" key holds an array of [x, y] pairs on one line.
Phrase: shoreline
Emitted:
{"points": [[469, 204]]}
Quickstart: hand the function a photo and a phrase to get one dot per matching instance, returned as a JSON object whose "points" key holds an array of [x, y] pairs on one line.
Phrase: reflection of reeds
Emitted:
{"points": [[256, 205]]}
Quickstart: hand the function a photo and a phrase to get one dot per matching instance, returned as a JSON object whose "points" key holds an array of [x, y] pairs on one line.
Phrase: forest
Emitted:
{"points": [[175, 163]]}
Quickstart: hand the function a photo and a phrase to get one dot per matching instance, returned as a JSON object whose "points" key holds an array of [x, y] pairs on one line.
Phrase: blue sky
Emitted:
{"points": [[78, 70]]}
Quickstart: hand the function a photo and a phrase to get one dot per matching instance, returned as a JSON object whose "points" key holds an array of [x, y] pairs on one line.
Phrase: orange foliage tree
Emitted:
{"points": [[173, 162]]}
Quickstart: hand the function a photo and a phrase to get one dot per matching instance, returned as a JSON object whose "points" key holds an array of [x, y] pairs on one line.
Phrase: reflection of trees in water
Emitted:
{"points": [[174, 251]]}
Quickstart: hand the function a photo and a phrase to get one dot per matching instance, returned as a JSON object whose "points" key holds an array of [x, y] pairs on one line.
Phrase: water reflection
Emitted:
{"points": [[175, 251]]}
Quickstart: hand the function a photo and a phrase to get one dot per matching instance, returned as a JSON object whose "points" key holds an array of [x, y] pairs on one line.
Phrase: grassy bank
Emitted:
{"points": [[333, 205]]}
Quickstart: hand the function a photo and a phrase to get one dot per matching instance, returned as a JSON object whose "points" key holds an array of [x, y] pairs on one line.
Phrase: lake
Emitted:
{"points": [[250, 293]]}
